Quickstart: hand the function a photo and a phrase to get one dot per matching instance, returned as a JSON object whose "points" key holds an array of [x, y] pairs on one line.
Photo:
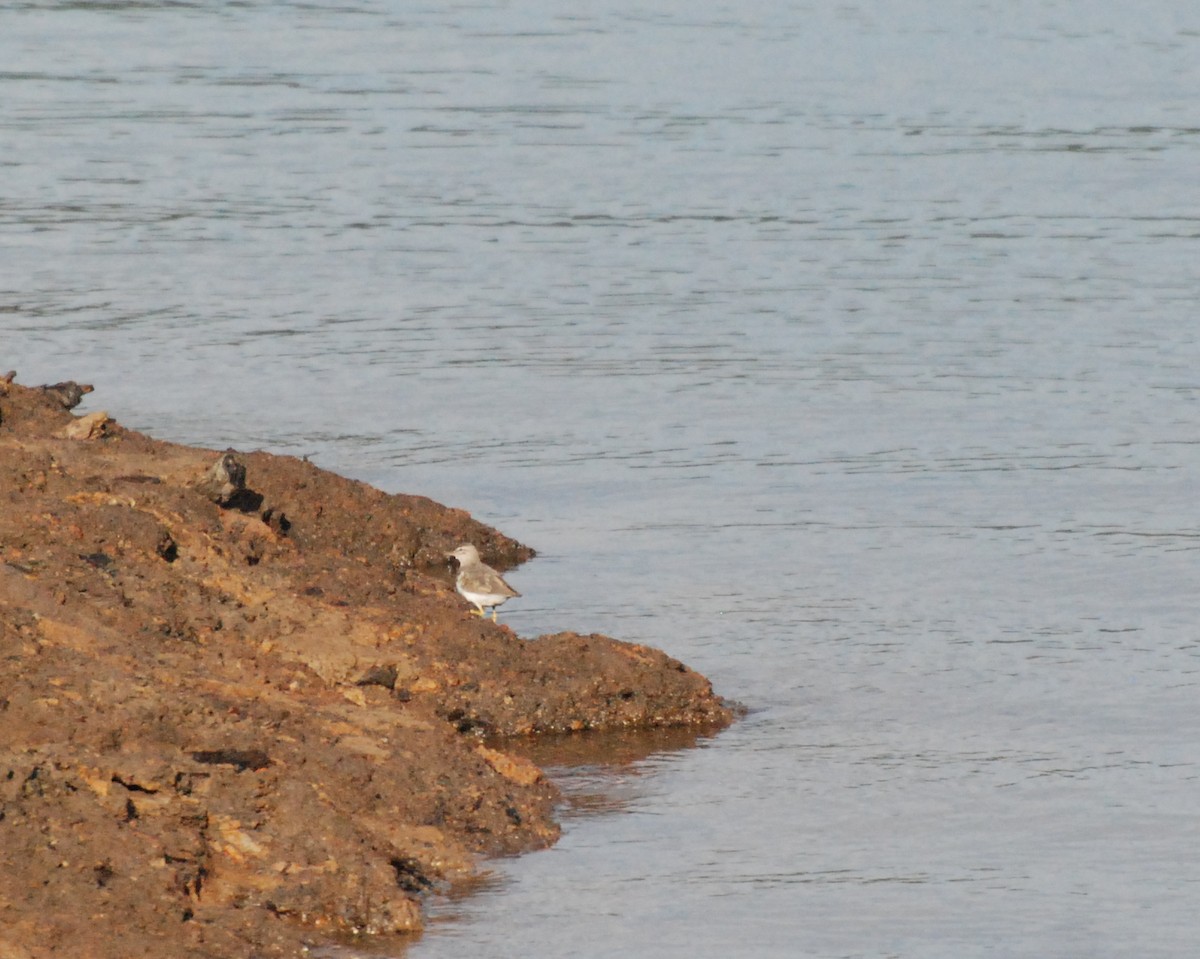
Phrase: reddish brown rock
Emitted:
{"points": [[239, 713]]}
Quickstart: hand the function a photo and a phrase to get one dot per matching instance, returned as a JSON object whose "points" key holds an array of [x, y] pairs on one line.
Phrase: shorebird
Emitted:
{"points": [[478, 583]]}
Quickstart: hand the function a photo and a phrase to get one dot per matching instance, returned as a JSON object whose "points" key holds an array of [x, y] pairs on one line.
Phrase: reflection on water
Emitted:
{"points": [[847, 352], [600, 772]]}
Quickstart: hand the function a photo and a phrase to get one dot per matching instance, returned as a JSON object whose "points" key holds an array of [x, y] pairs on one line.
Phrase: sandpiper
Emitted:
{"points": [[478, 583]]}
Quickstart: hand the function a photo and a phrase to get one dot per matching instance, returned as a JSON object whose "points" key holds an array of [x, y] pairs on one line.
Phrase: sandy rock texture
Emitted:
{"points": [[242, 709]]}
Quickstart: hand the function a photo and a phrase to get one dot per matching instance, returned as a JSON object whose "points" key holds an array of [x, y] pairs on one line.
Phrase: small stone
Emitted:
{"points": [[225, 480], [240, 759], [166, 547], [512, 768], [89, 427], [69, 394], [377, 675]]}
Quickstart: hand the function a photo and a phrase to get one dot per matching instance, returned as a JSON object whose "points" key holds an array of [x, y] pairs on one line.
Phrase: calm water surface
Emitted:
{"points": [[847, 352]]}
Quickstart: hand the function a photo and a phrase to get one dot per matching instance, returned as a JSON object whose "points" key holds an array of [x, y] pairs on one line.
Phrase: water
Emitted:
{"points": [[846, 352]]}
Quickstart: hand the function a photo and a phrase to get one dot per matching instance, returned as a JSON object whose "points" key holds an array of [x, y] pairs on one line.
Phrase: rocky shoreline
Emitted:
{"points": [[242, 709]]}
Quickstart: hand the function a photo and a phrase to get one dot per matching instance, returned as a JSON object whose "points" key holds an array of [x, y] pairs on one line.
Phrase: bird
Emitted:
{"points": [[478, 583]]}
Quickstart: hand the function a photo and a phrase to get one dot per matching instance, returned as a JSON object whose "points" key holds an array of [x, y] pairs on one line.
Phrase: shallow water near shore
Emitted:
{"points": [[848, 355]]}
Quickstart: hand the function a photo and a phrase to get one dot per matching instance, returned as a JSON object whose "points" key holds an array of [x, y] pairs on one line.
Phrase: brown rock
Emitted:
{"points": [[69, 394], [225, 480], [510, 767], [231, 725], [88, 427]]}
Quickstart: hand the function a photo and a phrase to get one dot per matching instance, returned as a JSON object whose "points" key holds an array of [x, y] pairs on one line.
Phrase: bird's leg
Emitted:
{"points": [[494, 619], [478, 612]]}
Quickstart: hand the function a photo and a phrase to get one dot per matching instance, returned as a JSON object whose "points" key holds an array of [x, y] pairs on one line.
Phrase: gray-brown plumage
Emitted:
{"points": [[478, 583]]}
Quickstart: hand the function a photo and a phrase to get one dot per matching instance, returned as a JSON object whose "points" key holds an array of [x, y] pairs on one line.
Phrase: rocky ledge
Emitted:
{"points": [[242, 709]]}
